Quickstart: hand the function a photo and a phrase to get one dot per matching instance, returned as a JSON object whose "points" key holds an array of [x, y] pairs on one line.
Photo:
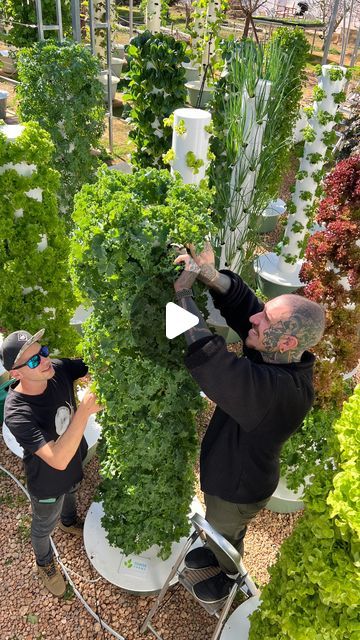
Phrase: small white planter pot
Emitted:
{"points": [[237, 626], [272, 280], [119, 50], [3, 100], [193, 88], [117, 66], [8, 63], [103, 77], [285, 500], [192, 72], [270, 215], [143, 574]]}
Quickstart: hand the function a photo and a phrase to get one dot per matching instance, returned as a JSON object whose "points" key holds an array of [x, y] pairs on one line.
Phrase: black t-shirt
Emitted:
{"points": [[36, 420]]}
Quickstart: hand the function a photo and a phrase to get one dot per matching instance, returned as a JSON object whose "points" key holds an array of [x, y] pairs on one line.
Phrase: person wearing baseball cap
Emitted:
{"points": [[40, 411]]}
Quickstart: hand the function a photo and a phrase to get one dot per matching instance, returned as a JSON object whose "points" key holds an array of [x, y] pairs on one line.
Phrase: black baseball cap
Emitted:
{"points": [[14, 346]]}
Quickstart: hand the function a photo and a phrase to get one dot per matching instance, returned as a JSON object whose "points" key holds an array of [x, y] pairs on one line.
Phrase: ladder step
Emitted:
{"points": [[189, 577]]}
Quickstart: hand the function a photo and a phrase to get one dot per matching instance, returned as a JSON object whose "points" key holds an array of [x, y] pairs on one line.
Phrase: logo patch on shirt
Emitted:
{"points": [[22, 337], [63, 418]]}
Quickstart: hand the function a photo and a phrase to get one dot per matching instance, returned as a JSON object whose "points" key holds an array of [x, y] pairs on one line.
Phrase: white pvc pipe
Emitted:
{"points": [[293, 240], [153, 19], [190, 136]]}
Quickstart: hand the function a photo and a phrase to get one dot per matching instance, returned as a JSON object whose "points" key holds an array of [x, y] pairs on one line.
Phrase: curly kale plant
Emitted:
{"points": [[156, 89], [123, 262], [59, 89]]}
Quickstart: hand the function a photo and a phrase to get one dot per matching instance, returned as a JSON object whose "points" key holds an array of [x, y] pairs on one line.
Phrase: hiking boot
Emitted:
{"points": [[213, 589], [75, 529], [200, 558], [52, 578]]}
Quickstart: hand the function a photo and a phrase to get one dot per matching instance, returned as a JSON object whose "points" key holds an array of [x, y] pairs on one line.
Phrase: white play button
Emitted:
{"points": [[178, 320]]}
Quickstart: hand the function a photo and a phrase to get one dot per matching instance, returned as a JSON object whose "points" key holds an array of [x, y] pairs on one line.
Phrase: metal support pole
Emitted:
{"points": [[346, 34], [356, 49], [109, 77], [59, 20], [75, 19], [131, 18], [91, 26], [330, 31], [39, 20]]}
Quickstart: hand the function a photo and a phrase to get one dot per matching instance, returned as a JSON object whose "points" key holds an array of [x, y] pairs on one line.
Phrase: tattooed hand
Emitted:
{"points": [[190, 273], [208, 275]]}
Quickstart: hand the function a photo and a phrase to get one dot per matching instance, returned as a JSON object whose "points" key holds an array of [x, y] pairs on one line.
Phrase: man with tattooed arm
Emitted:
{"points": [[261, 397]]}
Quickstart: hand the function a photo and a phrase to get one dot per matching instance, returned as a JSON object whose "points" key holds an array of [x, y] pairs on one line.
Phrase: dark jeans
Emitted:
{"points": [[230, 520], [45, 516]]}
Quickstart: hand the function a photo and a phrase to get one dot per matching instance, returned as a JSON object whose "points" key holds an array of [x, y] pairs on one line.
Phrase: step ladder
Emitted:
{"points": [[187, 577]]}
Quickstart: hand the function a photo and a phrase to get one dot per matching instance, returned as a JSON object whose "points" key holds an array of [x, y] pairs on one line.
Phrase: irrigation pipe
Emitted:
{"points": [[103, 624]]}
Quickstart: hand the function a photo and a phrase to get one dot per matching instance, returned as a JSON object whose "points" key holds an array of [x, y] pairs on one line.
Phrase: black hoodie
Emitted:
{"points": [[259, 405]]}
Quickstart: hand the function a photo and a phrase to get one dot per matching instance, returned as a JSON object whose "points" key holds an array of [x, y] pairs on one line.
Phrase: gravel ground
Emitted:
{"points": [[29, 612]]}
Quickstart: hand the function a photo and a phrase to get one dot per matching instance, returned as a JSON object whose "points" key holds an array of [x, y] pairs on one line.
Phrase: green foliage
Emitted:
{"points": [[123, 262], [319, 94], [156, 89], [193, 162], [23, 12], [314, 588], [204, 31], [35, 287], [307, 448], [60, 90], [308, 133]]}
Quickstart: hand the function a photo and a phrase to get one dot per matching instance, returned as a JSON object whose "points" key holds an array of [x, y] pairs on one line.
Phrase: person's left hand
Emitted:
{"points": [[190, 273]]}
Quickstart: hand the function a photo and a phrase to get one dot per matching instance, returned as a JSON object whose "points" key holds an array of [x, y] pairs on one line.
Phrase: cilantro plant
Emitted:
{"points": [[314, 587], [122, 262], [59, 89], [35, 290], [156, 89]]}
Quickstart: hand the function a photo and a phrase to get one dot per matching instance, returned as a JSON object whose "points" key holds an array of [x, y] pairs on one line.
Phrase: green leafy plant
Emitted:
{"points": [[204, 30], [156, 88], [59, 89], [123, 263], [35, 287], [314, 588], [21, 15], [193, 162]]}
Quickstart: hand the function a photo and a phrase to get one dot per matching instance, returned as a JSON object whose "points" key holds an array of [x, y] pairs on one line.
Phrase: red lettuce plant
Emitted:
{"points": [[331, 272]]}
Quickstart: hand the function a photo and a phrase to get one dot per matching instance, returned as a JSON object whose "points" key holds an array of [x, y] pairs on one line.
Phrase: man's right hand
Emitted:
{"points": [[206, 257], [208, 275], [89, 403]]}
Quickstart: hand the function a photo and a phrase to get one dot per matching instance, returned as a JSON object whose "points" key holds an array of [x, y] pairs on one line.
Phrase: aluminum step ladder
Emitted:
{"points": [[188, 577]]}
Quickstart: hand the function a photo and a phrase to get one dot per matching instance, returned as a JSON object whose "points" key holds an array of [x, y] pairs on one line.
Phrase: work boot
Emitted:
{"points": [[213, 589], [52, 578], [200, 558], [75, 529]]}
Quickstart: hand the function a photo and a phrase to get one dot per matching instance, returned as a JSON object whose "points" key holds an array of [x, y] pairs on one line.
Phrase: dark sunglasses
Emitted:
{"points": [[35, 360]]}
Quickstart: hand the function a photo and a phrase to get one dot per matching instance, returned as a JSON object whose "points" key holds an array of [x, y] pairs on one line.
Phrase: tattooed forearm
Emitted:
{"points": [[201, 330], [219, 282]]}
